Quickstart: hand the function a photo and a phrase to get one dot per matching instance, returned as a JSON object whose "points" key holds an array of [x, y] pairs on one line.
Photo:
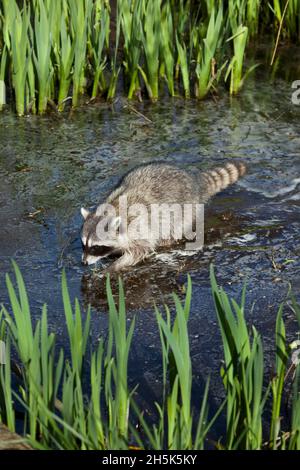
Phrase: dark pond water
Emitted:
{"points": [[50, 167]]}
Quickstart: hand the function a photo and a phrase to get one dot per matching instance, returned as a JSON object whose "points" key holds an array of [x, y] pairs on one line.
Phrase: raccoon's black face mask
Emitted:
{"points": [[93, 247], [93, 254]]}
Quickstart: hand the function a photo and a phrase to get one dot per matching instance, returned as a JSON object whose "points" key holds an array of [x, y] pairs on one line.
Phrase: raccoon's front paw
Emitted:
{"points": [[121, 264]]}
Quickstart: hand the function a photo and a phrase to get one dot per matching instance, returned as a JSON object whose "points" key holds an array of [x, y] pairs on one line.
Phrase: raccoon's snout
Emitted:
{"points": [[89, 259], [93, 254]]}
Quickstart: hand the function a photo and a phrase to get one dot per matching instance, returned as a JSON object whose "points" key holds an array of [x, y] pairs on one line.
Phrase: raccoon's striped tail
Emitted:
{"points": [[221, 177]]}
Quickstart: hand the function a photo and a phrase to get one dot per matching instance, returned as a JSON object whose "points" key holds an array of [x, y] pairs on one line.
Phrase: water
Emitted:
{"points": [[51, 166]]}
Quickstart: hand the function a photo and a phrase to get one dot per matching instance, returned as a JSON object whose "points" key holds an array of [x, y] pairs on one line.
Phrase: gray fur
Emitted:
{"points": [[153, 183]]}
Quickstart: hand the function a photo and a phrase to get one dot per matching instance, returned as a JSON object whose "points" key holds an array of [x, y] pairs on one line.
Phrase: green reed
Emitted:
{"points": [[205, 49], [242, 373], [79, 16], [16, 40], [252, 16], [277, 383], [52, 52], [41, 55], [167, 60], [99, 41], [151, 43], [183, 64], [287, 14], [181, 19], [131, 22], [236, 67], [115, 67], [59, 414], [64, 52], [294, 438]]}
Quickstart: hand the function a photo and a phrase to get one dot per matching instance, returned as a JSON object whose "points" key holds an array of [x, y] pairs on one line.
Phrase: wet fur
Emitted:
{"points": [[156, 183]]}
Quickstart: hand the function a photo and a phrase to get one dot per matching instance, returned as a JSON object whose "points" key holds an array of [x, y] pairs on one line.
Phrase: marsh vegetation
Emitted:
{"points": [[57, 413], [52, 53]]}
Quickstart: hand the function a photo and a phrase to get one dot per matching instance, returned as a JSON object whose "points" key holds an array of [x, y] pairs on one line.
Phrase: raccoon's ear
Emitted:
{"points": [[84, 212]]}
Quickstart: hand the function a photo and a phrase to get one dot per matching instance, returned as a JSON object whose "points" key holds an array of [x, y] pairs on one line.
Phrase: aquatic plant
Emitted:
{"points": [[293, 19], [151, 37], [66, 422], [115, 67], [48, 387], [64, 52], [52, 52], [131, 22], [236, 66], [17, 43], [242, 373], [79, 18], [167, 61], [252, 16], [183, 66], [205, 54], [41, 55], [99, 41], [181, 19]]}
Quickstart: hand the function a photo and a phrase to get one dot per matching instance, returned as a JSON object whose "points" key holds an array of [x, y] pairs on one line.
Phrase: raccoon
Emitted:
{"points": [[104, 231]]}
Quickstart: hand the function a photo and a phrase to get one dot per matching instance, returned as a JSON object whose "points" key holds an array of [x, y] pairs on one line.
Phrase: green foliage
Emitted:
{"points": [[235, 68], [131, 21], [205, 53], [60, 414], [242, 373], [41, 55], [16, 39], [57, 51]]}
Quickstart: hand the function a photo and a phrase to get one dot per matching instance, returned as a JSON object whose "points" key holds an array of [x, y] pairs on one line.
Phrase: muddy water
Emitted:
{"points": [[50, 167]]}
